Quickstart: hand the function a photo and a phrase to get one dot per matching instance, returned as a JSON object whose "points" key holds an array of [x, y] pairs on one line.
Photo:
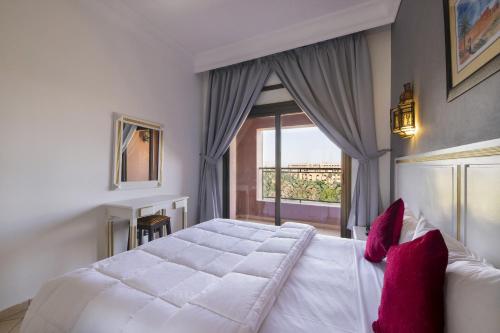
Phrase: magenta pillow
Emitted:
{"points": [[385, 232], [412, 296]]}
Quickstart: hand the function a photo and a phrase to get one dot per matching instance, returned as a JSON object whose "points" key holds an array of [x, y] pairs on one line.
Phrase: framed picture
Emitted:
{"points": [[472, 42]]}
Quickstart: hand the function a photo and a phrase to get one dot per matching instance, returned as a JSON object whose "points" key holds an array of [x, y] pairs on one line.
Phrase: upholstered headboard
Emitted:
{"points": [[458, 191]]}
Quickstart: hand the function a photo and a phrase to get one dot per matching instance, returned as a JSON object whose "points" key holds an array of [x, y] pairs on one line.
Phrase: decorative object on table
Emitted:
{"points": [[138, 153], [403, 115], [472, 43]]}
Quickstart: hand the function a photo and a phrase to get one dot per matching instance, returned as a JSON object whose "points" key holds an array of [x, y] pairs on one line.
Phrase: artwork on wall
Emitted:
{"points": [[472, 42]]}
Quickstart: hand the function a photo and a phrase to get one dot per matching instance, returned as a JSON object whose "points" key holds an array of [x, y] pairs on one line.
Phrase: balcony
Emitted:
{"points": [[318, 186], [310, 177]]}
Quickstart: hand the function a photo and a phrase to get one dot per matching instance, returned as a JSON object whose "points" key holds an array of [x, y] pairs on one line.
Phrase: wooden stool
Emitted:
{"points": [[152, 224]]}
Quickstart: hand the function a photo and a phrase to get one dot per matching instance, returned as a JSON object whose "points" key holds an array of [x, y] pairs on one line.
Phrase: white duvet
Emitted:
{"points": [[332, 289], [218, 276]]}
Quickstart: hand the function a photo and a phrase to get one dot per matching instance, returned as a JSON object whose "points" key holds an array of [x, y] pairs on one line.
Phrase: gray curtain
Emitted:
{"points": [[128, 133], [232, 91], [331, 82]]}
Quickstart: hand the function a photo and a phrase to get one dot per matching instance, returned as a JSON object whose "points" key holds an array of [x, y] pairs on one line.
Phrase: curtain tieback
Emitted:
{"points": [[209, 160], [374, 156]]}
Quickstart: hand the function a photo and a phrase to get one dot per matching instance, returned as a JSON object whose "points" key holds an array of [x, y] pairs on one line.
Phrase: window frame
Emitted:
{"points": [[277, 110]]}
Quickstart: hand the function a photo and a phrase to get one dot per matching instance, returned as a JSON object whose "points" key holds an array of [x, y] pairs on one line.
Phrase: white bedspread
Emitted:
{"points": [[332, 289], [218, 276]]}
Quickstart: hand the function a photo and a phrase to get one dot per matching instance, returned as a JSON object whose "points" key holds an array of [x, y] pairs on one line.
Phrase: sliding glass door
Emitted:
{"points": [[280, 168], [311, 175], [252, 150]]}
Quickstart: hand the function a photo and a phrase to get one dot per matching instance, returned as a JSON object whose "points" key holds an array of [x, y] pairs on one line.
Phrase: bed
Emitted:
{"points": [[232, 276], [220, 275]]}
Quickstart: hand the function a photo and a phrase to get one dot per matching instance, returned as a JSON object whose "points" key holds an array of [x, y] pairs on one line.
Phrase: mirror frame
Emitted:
{"points": [[117, 156]]}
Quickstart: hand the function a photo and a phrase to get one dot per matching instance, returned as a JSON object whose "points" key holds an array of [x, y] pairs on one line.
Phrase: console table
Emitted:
{"points": [[132, 209]]}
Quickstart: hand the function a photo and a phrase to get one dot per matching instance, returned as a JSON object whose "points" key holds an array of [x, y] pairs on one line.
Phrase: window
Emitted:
{"points": [[282, 152], [310, 166]]}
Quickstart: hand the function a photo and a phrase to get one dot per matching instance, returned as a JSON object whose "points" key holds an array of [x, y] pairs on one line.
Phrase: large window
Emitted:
{"points": [[310, 166]]}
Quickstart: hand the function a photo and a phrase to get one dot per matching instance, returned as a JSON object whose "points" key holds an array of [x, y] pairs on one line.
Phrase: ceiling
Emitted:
{"points": [[222, 32]]}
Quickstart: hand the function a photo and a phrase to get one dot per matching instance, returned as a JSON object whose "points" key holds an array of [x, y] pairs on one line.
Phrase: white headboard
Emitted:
{"points": [[458, 191]]}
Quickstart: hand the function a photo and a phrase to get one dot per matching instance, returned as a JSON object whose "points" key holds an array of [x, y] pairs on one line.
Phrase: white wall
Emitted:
{"points": [[65, 67], [379, 43]]}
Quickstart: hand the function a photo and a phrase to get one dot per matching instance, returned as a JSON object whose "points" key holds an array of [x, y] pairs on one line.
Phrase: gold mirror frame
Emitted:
{"points": [[117, 183]]}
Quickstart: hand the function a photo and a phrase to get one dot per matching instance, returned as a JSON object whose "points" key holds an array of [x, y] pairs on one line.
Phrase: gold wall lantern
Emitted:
{"points": [[403, 115]]}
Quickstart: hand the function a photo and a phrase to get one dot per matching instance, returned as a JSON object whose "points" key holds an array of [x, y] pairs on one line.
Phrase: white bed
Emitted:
{"points": [[219, 276]]}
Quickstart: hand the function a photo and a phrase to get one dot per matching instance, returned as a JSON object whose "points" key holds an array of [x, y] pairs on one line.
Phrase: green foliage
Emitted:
{"points": [[303, 186]]}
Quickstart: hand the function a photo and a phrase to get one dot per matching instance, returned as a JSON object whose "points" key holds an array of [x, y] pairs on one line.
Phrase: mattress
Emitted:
{"points": [[218, 276]]}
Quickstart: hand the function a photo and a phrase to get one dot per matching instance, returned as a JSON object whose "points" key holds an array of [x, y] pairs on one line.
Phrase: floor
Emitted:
{"points": [[11, 318]]}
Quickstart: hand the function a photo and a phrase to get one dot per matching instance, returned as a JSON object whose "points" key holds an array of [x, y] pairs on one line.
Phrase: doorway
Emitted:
{"points": [[281, 167]]}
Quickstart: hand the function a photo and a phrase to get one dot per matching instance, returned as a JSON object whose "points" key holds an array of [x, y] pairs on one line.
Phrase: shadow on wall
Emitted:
{"points": [[44, 250]]}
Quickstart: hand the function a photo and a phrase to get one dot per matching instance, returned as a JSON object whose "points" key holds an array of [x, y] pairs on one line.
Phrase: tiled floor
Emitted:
{"points": [[11, 318]]}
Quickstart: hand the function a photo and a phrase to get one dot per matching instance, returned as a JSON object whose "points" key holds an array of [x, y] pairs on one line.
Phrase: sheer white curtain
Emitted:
{"points": [[128, 133]]}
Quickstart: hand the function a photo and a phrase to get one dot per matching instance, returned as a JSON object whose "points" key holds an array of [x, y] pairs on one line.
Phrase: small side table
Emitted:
{"points": [[359, 233], [133, 209]]}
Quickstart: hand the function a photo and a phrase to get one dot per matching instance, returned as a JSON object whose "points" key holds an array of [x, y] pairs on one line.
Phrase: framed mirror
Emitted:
{"points": [[138, 153]]}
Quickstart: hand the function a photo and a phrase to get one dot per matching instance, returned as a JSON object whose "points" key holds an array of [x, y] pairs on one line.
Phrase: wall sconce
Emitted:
{"points": [[403, 115]]}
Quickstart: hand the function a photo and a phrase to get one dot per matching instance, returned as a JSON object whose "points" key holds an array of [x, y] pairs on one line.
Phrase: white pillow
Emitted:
{"points": [[472, 298], [456, 250], [423, 227], [409, 226]]}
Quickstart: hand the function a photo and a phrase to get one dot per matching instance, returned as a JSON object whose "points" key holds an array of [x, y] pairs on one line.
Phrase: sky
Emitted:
{"points": [[474, 8], [300, 145]]}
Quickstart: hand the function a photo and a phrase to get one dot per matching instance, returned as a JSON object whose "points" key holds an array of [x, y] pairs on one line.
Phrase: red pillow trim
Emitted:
{"points": [[413, 292], [385, 232]]}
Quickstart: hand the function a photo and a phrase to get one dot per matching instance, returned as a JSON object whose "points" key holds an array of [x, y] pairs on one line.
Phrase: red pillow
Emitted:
{"points": [[412, 296], [385, 232]]}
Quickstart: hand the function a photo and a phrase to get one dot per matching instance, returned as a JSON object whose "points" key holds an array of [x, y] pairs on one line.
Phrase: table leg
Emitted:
{"points": [[139, 234], [163, 228], [132, 241], [111, 244], [184, 216]]}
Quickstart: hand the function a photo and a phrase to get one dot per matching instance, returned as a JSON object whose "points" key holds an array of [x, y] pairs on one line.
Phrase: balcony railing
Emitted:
{"points": [[304, 184]]}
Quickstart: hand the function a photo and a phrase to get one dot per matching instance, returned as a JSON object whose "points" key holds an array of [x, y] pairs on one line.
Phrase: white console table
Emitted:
{"points": [[132, 209]]}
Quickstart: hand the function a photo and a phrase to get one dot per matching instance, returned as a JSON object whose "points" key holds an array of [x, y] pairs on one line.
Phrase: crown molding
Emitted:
{"points": [[122, 14], [357, 18]]}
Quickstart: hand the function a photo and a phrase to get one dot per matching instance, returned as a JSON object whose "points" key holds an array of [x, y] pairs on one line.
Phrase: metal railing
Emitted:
{"points": [[307, 184]]}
